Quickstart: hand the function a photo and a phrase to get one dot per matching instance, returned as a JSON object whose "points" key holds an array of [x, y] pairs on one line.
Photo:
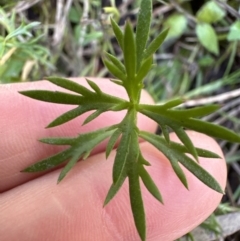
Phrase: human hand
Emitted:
{"points": [[33, 207]]}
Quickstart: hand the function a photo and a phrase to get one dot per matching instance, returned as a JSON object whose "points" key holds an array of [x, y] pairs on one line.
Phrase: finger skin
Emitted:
{"points": [[41, 210], [38, 209], [23, 121]]}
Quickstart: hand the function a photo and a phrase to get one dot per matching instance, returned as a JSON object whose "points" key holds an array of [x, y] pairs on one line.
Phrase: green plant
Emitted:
{"points": [[129, 162], [20, 51]]}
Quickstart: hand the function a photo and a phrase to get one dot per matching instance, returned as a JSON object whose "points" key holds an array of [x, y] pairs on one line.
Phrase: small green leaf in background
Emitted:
{"points": [[75, 14], [177, 24], [210, 12], [234, 33], [113, 11], [206, 61], [207, 37]]}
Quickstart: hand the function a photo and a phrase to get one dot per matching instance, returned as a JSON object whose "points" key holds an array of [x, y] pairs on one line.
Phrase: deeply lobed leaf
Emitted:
{"points": [[78, 146], [191, 123], [173, 155], [129, 162]]}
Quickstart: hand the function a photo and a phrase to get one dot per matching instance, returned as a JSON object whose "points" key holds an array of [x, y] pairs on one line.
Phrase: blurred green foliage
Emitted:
{"points": [[20, 51]]}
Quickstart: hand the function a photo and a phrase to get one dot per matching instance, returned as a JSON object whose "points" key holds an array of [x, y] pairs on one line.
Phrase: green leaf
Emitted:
{"points": [[94, 86], [173, 154], [69, 166], [142, 160], [121, 156], [155, 44], [207, 37], [69, 115], [149, 183], [172, 103], [112, 11], [118, 33], [177, 24], [165, 133], [234, 33], [179, 172], [212, 130], [69, 85], [144, 69], [54, 97], [115, 188], [93, 116], [143, 26], [120, 106], [112, 141], [136, 201], [49, 162], [196, 112], [210, 12], [59, 141], [200, 152], [129, 52], [199, 172], [185, 140], [179, 114], [114, 70], [82, 144], [194, 124], [161, 108], [117, 63], [124, 145], [168, 151], [117, 82]]}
